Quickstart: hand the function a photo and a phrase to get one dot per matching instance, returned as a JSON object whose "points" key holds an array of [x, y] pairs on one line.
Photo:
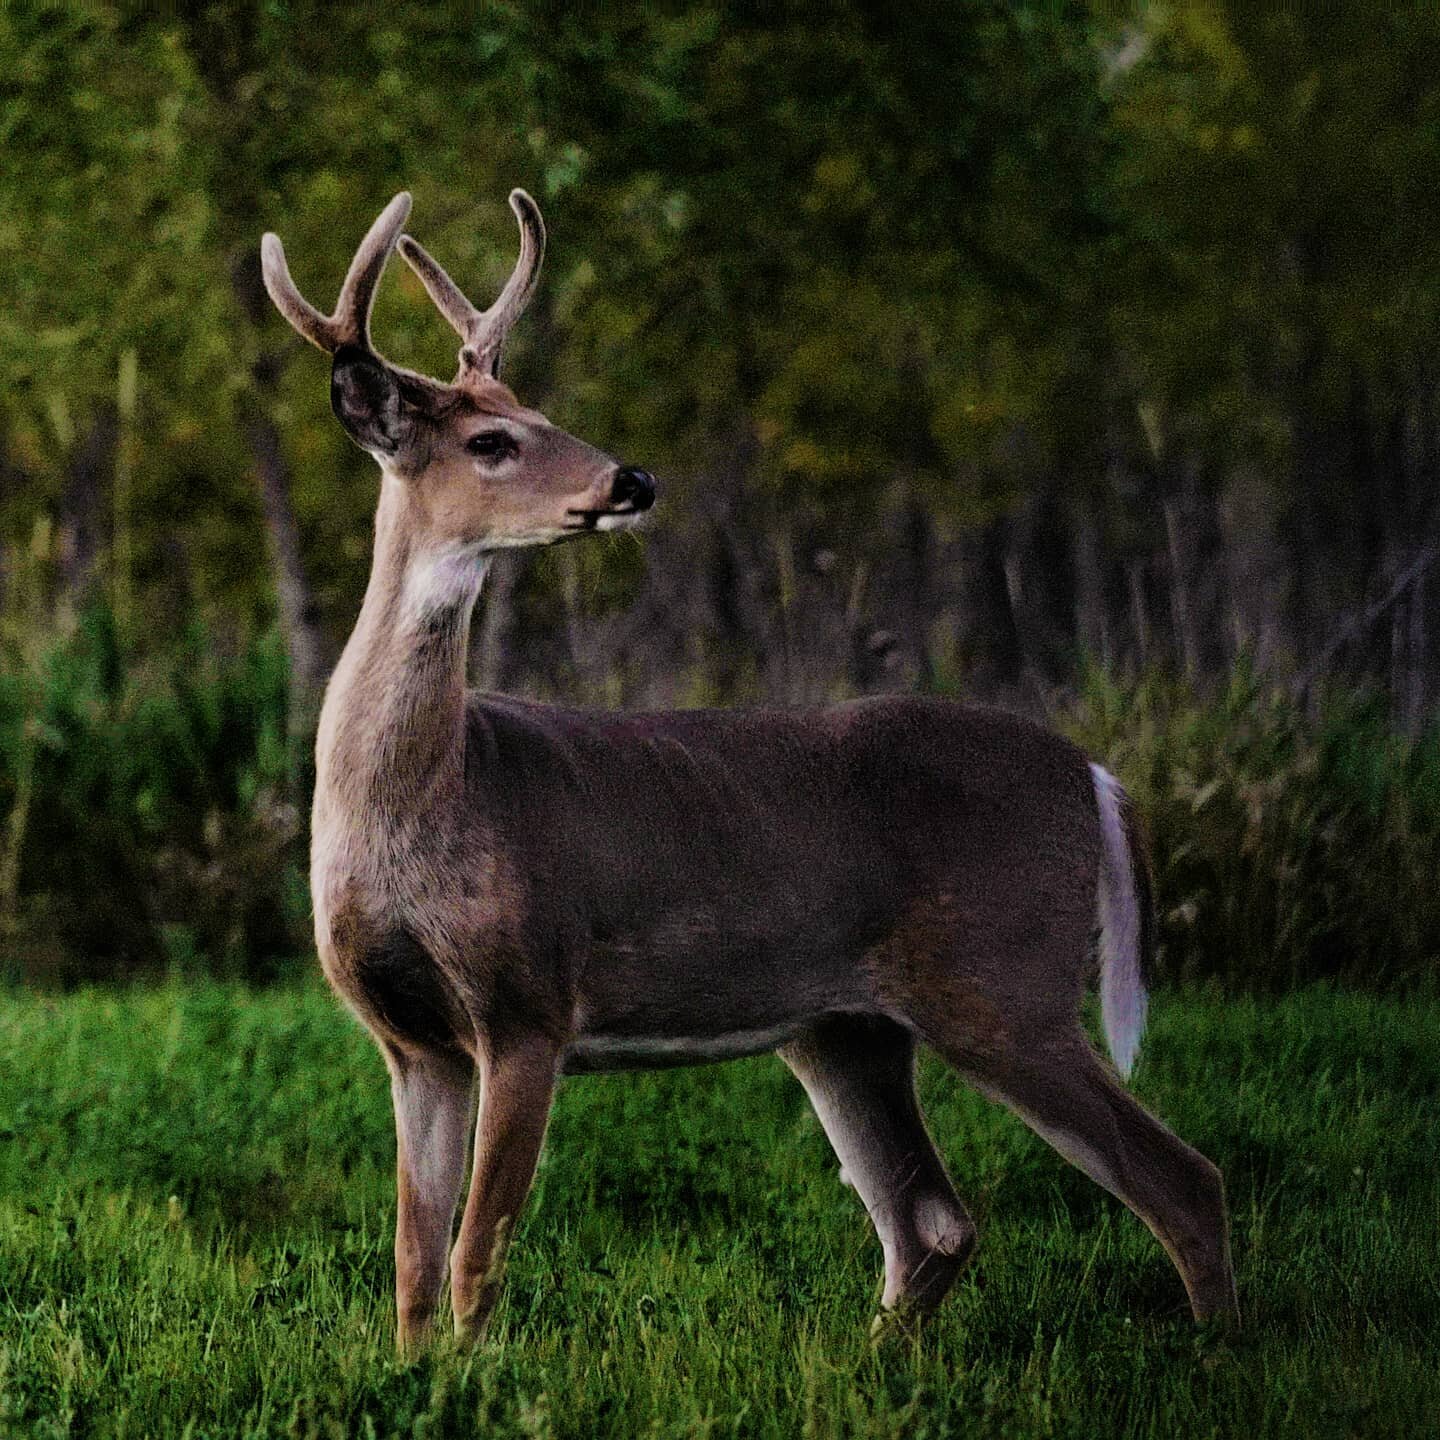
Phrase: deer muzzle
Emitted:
{"points": [[632, 489]]}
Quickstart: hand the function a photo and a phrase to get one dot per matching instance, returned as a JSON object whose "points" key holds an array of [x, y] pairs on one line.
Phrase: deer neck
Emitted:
{"points": [[392, 728]]}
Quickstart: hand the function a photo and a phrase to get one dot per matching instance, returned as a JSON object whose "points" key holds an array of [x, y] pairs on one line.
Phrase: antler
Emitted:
{"points": [[484, 331], [350, 322]]}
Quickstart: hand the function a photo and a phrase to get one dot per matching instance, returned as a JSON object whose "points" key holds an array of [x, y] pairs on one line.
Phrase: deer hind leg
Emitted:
{"points": [[433, 1097], [1071, 1099], [860, 1076]]}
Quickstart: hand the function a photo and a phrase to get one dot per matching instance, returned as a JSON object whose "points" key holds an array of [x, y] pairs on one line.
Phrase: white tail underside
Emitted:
{"points": [[1122, 989]]}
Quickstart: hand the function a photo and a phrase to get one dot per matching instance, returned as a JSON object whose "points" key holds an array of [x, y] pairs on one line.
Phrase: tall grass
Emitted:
{"points": [[1290, 844], [147, 820]]}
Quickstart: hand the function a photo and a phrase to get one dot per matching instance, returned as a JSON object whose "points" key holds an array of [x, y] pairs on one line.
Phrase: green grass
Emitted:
{"points": [[195, 1212]]}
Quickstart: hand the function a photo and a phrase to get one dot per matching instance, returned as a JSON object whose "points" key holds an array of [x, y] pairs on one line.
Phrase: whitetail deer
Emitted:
{"points": [[507, 891]]}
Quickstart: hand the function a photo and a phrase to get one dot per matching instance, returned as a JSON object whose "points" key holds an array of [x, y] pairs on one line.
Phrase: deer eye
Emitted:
{"points": [[492, 446]]}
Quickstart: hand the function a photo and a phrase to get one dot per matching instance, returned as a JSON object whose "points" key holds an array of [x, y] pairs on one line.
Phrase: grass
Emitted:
{"points": [[195, 1213]]}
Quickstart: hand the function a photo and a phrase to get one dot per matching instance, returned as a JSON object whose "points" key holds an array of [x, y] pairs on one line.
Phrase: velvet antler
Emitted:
{"points": [[349, 324], [484, 331]]}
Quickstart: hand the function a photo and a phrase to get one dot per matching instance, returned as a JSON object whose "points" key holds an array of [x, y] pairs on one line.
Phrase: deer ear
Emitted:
{"points": [[366, 400]]}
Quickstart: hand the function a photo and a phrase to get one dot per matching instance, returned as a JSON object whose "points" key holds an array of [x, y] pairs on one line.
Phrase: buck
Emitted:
{"points": [[507, 891]]}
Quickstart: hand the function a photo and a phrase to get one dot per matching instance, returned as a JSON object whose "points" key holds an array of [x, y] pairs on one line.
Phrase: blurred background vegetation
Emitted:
{"points": [[1078, 356]]}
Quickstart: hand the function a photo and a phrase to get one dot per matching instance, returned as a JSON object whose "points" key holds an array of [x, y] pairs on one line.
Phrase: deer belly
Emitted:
{"points": [[654, 1005], [588, 1053]]}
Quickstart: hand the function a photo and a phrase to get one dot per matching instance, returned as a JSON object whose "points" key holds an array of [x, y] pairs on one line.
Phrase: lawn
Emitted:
{"points": [[195, 1214]]}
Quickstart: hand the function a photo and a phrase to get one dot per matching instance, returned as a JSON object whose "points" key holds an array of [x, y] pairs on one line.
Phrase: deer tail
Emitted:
{"points": [[1125, 906]]}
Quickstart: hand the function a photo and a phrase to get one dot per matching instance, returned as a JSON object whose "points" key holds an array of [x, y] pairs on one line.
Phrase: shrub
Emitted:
{"points": [[1290, 844], [146, 814]]}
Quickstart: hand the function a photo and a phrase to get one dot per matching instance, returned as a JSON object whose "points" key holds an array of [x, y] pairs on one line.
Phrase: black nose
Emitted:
{"points": [[633, 487]]}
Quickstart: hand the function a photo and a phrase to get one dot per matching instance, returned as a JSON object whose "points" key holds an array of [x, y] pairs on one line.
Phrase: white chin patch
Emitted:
{"points": [[621, 521]]}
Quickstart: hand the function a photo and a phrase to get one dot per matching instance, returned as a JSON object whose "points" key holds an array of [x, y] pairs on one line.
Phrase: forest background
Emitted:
{"points": [[1079, 357]]}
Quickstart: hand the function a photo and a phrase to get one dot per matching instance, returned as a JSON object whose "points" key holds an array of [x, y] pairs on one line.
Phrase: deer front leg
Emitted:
{"points": [[433, 1095], [517, 1083]]}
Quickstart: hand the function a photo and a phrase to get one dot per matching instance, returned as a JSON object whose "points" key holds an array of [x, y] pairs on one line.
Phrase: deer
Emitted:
{"points": [[506, 891]]}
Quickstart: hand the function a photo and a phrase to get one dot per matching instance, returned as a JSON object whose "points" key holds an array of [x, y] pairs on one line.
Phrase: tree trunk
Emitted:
{"points": [[1042, 583], [1092, 628], [1258, 570], [82, 506], [990, 640], [299, 615], [917, 582], [306, 647], [225, 46], [1197, 604]]}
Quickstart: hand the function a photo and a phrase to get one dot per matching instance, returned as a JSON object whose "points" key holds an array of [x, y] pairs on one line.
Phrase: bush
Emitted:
{"points": [[1291, 845], [147, 823]]}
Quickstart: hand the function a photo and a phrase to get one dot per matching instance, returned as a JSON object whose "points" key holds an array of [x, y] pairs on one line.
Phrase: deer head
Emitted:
{"points": [[479, 470]]}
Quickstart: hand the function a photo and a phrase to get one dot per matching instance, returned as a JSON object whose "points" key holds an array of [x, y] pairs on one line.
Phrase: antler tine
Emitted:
{"points": [[446, 294], [318, 329], [513, 299], [484, 331], [357, 294], [349, 324]]}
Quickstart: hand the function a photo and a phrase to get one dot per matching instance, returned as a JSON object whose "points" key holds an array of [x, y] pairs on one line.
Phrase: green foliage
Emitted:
{"points": [[859, 237], [1290, 846], [1280, 171], [147, 819], [105, 242], [196, 1201], [966, 248]]}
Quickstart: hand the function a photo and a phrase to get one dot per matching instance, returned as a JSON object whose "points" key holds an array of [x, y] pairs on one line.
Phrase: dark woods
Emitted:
{"points": [[1081, 358]]}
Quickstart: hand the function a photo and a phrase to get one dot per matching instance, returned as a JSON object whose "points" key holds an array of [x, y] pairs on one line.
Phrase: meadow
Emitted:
{"points": [[196, 1208]]}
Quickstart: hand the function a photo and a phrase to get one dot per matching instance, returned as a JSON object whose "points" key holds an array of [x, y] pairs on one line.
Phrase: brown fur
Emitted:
{"points": [[504, 890]]}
